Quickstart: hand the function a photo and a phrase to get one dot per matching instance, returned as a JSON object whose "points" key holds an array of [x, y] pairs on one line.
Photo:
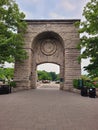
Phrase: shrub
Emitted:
{"points": [[95, 82], [75, 83], [12, 84]]}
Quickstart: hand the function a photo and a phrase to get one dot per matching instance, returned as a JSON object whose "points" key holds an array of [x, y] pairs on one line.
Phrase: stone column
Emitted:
{"points": [[72, 67], [23, 71], [33, 80], [33, 71]]}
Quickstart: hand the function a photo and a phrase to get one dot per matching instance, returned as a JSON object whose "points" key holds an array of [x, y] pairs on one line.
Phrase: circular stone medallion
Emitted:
{"points": [[48, 47]]}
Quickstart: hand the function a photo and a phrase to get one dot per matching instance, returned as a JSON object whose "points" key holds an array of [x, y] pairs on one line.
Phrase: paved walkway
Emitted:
{"points": [[48, 109]]}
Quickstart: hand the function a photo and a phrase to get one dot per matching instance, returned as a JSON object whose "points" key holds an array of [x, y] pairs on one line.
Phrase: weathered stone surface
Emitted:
{"points": [[49, 41]]}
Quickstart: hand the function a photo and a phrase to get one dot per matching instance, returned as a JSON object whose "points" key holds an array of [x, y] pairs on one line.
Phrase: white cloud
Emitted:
{"points": [[49, 67], [29, 15], [67, 5], [27, 4], [56, 16], [35, 1], [30, 1]]}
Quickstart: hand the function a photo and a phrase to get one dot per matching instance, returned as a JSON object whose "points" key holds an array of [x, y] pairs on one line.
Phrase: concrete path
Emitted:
{"points": [[48, 109]]}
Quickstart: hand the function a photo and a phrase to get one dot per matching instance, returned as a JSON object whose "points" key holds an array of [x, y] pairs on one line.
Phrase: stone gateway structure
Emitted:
{"points": [[49, 41]]}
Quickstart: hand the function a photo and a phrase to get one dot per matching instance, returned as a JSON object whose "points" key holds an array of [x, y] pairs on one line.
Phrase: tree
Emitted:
{"points": [[89, 40], [6, 73], [11, 39], [58, 77], [53, 76], [43, 75]]}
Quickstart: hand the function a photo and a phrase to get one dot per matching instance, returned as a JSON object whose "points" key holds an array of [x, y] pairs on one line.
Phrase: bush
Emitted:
{"points": [[95, 82], [85, 81], [12, 84], [76, 83]]}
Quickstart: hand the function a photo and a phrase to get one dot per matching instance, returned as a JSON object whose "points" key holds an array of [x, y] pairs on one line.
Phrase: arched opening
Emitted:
{"points": [[48, 35], [48, 47], [48, 76]]}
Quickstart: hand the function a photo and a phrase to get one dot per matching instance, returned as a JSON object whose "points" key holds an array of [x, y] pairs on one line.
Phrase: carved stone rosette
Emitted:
{"points": [[48, 47]]}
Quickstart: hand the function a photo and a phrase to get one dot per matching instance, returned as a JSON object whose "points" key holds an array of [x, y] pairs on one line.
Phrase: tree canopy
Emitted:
{"points": [[89, 39], [11, 39], [44, 75]]}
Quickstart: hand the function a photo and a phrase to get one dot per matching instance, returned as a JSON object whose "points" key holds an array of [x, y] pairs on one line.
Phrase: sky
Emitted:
{"points": [[53, 9]]}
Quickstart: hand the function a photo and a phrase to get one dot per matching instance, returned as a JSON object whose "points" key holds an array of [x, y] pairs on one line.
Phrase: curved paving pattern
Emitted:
{"points": [[48, 109]]}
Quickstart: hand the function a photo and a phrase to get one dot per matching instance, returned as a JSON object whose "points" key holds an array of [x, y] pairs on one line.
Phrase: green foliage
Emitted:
{"points": [[75, 83], [90, 82], [11, 39], [12, 84], [43, 75], [89, 40], [95, 80], [87, 82], [6, 73], [58, 77], [53, 76], [85, 77]]}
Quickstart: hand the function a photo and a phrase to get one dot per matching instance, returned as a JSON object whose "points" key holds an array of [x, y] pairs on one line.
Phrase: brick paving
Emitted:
{"points": [[48, 109]]}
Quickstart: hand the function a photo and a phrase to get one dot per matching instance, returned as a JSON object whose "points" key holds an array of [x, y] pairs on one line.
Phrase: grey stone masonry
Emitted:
{"points": [[49, 41]]}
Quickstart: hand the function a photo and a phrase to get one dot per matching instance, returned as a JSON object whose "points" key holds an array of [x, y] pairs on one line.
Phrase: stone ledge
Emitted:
{"points": [[49, 21]]}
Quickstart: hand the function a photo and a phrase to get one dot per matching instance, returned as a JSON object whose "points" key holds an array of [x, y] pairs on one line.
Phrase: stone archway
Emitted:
{"points": [[48, 47], [49, 41]]}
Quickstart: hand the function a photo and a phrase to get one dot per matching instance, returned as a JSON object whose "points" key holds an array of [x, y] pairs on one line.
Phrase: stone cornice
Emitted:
{"points": [[52, 21]]}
